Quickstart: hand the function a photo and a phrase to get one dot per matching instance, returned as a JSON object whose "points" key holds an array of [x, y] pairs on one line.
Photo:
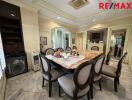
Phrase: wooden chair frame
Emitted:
{"points": [[45, 52], [47, 73], [118, 71], [77, 85]]}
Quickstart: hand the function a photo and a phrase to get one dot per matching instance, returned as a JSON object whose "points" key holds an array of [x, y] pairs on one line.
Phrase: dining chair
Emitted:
{"points": [[95, 48], [68, 50], [114, 72], [77, 85], [74, 48], [49, 74], [108, 57], [60, 49], [98, 70], [49, 51]]}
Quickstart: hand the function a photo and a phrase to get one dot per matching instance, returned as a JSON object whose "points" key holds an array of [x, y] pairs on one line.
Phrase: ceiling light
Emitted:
{"points": [[93, 20], [58, 17]]}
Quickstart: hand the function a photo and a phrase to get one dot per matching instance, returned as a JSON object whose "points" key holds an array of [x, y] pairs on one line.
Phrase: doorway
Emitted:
{"points": [[67, 39], [80, 41], [117, 43], [97, 38]]}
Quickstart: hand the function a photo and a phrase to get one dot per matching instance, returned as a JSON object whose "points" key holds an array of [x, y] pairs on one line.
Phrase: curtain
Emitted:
{"points": [[58, 38], [2, 58]]}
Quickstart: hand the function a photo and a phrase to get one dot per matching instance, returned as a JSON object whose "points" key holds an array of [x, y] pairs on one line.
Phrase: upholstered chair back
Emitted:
{"points": [[60, 49], [83, 75], [95, 48], [119, 66], [45, 65], [99, 64], [49, 51], [68, 49]]}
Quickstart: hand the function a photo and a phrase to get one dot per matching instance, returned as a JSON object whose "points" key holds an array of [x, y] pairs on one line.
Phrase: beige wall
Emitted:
{"points": [[46, 25], [123, 23], [129, 45], [30, 32]]}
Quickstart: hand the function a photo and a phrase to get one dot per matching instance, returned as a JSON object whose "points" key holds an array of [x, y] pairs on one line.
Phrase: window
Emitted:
{"points": [[2, 59], [60, 38]]}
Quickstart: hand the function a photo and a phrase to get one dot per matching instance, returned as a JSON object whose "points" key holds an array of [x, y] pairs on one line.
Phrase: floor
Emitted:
{"points": [[28, 87]]}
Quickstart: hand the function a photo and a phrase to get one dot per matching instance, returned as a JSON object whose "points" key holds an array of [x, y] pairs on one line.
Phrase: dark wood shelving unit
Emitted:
{"points": [[11, 35], [12, 39], [11, 26]]}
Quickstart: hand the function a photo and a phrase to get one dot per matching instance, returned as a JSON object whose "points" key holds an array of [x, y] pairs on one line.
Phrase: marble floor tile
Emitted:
{"points": [[31, 84]]}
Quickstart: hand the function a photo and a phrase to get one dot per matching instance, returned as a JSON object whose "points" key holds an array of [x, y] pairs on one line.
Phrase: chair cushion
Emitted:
{"points": [[54, 75], [109, 70], [67, 84], [96, 78]]}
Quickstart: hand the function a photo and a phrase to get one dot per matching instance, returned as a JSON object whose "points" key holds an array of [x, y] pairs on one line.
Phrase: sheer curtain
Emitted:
{"points": [[58, 38], [2, 58]]}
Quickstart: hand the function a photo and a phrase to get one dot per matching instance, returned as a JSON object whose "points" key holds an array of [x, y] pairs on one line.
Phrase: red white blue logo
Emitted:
{"points": [[108, 4]]}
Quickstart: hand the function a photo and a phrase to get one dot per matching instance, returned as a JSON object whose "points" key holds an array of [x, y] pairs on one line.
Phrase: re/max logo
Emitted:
{"points": [[115, 5]]}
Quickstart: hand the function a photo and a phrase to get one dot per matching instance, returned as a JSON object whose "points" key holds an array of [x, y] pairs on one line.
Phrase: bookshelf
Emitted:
{"points": [[12, 39]]}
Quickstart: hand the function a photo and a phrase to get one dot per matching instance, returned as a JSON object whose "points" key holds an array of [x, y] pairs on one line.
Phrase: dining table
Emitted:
{"points": [[73, 61]]}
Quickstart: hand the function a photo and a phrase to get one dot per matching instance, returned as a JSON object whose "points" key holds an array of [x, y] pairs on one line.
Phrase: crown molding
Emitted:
{"points": [[34, 8], [58, 22], [44, 4], [48, 6], [106, 21], [37, 5]]}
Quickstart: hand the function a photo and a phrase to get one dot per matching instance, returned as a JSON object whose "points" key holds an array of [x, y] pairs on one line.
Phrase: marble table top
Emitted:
{"points": [[72, 62]]}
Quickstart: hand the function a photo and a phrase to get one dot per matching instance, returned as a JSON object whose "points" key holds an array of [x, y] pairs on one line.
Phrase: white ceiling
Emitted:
{"points": [[83, 16], [91, 8]]}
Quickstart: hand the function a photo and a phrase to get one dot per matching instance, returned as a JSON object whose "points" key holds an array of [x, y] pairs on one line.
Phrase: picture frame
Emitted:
{"points": [[43, 40], [73, 40]]}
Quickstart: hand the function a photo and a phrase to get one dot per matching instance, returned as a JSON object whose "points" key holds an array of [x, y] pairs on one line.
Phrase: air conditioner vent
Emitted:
{"points": [[78, 3]]}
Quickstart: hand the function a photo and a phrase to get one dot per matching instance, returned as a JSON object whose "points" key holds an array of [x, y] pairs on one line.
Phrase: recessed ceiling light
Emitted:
{"points": [[12, 14], [94, 20], [58, 17]]}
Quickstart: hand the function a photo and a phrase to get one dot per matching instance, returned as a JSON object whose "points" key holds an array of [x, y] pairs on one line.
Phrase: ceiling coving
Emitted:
{"points": [[77, 4], [82, 13]]}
